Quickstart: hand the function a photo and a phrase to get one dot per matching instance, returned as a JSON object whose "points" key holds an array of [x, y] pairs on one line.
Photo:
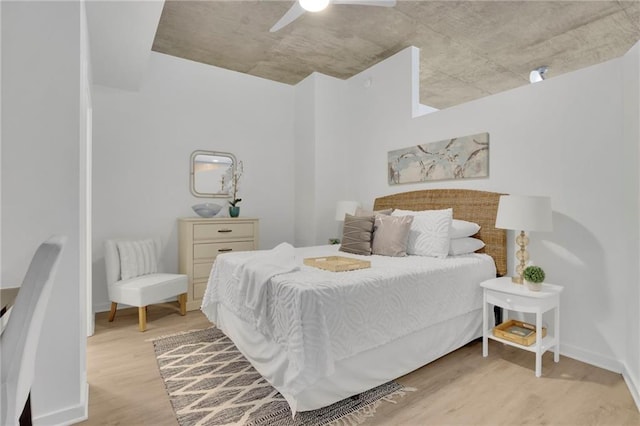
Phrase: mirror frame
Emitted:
{"points": [[192, 176]]}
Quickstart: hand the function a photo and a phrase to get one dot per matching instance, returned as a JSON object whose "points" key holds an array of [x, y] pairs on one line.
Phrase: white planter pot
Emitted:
{"points": [[533, 286]]}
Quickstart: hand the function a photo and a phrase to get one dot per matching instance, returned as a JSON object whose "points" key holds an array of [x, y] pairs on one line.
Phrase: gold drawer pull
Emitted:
{"points": [[225, 230], [223, 250]]}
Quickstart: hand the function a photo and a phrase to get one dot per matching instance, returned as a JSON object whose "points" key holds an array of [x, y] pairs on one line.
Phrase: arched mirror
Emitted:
{"points": [[211, 174]]}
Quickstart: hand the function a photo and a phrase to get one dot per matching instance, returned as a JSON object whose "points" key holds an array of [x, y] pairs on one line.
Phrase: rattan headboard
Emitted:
{"points": [[475, 206]]}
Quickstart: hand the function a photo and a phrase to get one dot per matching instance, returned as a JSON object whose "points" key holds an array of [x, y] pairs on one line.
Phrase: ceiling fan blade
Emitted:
{"points": [[292, 14], [384, 3]]}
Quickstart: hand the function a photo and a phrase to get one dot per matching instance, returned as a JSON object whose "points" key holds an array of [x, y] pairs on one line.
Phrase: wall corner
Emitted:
{"points": [[417, 109]]}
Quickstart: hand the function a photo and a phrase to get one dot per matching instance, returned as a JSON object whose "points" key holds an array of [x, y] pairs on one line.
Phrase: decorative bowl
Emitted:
{"points": [[206, 209]]}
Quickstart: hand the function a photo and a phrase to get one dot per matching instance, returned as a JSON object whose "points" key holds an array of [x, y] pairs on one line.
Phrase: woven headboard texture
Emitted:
{"points": [[474, 206]]}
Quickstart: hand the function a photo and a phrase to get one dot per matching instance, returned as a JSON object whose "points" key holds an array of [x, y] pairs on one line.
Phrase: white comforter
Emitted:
{"points": [[321, 317]]}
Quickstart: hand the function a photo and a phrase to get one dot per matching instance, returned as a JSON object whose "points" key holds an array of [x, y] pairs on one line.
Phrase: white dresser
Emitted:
{"points": [[201, 240]]}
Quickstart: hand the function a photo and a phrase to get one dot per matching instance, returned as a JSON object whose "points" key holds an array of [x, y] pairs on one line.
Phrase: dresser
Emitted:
{"points": [[201, 240]]}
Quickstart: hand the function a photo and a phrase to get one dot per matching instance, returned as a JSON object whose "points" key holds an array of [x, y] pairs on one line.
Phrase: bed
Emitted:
{"points": [[319, 336]]}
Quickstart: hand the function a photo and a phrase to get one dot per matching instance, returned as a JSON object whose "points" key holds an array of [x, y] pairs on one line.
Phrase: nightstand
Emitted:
{"points": [[517, 297]]}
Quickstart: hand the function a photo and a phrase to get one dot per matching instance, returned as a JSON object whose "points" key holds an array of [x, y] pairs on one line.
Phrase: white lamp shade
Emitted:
{"points": [[345, 207], [524, 213]]}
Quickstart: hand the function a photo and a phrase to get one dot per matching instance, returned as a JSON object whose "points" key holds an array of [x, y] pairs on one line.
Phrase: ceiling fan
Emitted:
{"points": [[302, 6]]}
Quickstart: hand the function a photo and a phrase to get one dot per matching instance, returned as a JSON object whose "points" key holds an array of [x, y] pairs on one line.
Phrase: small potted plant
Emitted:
{"points": [[234, 209], [533, 277]]}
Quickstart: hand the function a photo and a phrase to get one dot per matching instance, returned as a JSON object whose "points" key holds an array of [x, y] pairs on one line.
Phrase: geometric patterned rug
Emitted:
{"points": [[210, 383]]}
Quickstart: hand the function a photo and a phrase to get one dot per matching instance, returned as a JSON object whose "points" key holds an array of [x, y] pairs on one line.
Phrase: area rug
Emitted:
{"points": [[210, 383]]}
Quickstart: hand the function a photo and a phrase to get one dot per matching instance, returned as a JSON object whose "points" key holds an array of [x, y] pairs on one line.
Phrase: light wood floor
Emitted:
{"points": [[462, 388]]}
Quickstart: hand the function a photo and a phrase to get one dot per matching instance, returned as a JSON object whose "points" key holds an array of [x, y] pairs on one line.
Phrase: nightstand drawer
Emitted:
{"points": [[512, 302], [209, 251], [216, 231]]}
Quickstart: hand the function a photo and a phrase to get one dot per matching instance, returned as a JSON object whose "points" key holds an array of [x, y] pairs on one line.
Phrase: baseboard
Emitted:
{"points": [[592, 358], [69, 415], [632, 384]]}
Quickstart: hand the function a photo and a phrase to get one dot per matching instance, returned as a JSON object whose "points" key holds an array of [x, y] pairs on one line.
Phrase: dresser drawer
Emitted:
{"points": [[201, 271], [199, 289], [209, 251], [216, 231]]}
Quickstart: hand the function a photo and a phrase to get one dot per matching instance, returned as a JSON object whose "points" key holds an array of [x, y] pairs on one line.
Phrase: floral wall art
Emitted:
{"points": [[457, 158]]}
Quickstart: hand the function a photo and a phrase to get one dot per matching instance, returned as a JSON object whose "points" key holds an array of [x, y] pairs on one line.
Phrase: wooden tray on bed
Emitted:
{"points": [[337, 263]]}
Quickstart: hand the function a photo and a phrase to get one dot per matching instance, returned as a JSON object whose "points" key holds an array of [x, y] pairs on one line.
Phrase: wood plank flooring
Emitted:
{"points": [[462, 388]]}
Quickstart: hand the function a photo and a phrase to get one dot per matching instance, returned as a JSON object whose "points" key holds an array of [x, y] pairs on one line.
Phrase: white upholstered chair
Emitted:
{"points": [[132, 277], [19, 340]]}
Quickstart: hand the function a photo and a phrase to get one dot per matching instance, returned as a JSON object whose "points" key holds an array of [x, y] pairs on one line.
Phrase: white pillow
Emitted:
{"points": [[464, 245], [462, 228], [137, 258], [430, 231]]}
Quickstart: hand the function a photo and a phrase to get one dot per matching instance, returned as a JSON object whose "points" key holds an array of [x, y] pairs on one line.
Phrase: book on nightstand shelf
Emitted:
{"points": [[519, 331]]}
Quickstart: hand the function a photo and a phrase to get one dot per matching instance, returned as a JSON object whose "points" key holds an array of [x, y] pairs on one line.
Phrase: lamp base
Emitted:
{"points": [[523, 256]]}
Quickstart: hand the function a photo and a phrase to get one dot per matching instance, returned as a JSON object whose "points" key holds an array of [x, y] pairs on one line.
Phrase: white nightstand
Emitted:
{"points": [[517, 297]]}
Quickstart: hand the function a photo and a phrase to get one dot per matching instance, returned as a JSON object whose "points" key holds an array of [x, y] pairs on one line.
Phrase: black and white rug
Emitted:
{"points": [[210, 383]]}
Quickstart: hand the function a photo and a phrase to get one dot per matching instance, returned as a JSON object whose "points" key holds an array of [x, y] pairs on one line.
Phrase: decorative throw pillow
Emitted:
{"points": [[390, 235], [137, 258], [363, 212], [430, 232], [465, 245], [462, 228], [356, 234]]}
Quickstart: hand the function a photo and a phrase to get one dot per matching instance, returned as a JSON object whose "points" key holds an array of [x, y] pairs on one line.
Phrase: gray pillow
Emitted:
{"points": [[391, 234], [363, 212], [356, 234]]}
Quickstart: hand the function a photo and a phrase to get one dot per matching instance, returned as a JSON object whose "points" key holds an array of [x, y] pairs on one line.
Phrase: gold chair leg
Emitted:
{"points": [[112, 313], [142, 318], [182, 299]]}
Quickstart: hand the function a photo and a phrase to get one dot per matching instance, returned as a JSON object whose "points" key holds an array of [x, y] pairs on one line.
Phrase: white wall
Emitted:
{"points": [[321, 138], [305, 163], [122, 34], [41, 187], [142, 142], [631, 99], [332, 138], [563, 138]]}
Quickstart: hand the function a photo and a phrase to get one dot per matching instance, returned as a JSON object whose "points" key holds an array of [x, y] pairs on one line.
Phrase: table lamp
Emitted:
{"points": [[523, 213]]}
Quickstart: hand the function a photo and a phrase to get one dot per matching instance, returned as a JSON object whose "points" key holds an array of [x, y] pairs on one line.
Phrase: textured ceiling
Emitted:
{"points": [[468, 49]]}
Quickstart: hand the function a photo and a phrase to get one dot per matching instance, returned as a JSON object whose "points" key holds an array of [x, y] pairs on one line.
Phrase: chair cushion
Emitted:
{"points": [[137, 258], [148, 289]]}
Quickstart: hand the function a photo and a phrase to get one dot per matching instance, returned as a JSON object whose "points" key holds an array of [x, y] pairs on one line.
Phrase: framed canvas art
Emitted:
{"points": [[457, 158]]}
